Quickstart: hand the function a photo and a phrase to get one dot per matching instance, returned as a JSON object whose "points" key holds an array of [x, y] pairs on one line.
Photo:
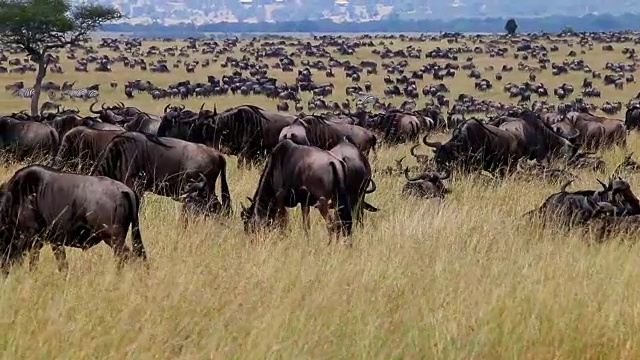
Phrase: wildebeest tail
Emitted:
{"points": [[343, 203], [136, 237]]}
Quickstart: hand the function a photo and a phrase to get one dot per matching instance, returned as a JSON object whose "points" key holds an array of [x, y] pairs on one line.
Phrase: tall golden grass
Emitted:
{"points": [[464, 278]]}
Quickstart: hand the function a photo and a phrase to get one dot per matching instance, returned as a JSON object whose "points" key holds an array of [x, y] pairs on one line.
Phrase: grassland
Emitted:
{"points": [[460, 279]]}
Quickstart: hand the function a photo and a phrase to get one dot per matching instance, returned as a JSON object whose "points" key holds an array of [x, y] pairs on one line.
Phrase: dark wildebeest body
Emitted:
{"points": [[246, 131], [536, 140], [399, 127], [23, 139], [632, 118], [81, 147], [316, 131], [145, 162], [571, 209], [595, 132], [474, 144], [65, 210], [304, 175], [358, 177]]}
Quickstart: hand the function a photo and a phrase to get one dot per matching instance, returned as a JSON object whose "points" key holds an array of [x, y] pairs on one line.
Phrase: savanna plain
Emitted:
{"points": [[462, 278]]}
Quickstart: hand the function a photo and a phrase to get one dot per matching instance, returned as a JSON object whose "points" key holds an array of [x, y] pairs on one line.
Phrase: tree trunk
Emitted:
{"points": [[37, 87]]}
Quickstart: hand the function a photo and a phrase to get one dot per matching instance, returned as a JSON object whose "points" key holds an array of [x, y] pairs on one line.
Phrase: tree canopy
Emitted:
{"points": [[39, 26], [511, 26]]}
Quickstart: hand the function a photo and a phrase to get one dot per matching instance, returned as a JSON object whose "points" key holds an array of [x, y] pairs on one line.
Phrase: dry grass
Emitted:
{"points": [[462, 279]]}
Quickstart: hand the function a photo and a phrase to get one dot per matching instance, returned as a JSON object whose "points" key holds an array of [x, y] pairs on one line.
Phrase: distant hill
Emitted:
{"points": [[251, 11]]}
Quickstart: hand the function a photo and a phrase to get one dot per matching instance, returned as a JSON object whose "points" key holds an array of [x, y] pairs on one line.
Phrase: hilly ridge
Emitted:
{"points": [[251, 11]]}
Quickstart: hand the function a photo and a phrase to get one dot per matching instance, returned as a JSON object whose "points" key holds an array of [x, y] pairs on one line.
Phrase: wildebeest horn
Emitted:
{"points": [[91, 108], [201, 107], [369, 207], [604, 186], [406, 175], [400, 160], [413, 151], [564, 187], [250, 199], [102, 106], [166, 107], [215, 110], [436, 145], [574, 134], [374, 187], [121, 105]]}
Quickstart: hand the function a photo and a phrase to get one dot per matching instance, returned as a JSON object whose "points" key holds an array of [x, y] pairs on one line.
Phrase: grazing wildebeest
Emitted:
{"points": [[23, 139], [358, 176], [297, 174], [39, 204], [82, 146], [316, 131], [474, 144], [425, 185], [145, 162], [536, 140]]}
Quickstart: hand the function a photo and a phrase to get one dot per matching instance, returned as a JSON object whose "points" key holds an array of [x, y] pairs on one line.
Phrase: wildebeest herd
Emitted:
{"points": [[93, 168]]}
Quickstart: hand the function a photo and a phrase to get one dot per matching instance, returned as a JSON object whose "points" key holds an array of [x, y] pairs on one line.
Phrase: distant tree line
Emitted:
{"points": [[603, 22]]}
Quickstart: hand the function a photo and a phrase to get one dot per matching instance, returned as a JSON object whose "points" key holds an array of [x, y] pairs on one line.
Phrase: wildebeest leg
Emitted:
{"points": [[306, 224], [34, 255], [115, 237], [61, 257], [323, 206]]}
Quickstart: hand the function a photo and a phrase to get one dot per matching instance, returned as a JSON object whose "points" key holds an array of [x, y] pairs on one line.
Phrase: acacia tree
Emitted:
{"points": [[39, 26], [511, 26]]}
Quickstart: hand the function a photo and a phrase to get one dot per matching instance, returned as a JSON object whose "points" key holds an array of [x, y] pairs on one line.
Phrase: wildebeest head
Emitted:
{"points": [[258, 216], [198, 199], [444, 154], [427, 184]]}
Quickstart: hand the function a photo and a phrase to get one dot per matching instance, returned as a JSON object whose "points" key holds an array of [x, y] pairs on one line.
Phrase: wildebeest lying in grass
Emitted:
{"points": [[526, 170], [570, 209], [199, 200], [425, 185], [628, 164], [587, 160], [39, 204]]}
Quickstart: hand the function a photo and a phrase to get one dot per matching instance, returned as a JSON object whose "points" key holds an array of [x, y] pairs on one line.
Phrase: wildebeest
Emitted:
{"points": [[632, 118], [39, 204], [198, 199], [316, 131], [576, 208], [246, 131], [23, 139], [297, 174], [426, 185], [145, 162], [358, 171], [82, 146], [595, 131], [474, 144], [537, 141]]}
